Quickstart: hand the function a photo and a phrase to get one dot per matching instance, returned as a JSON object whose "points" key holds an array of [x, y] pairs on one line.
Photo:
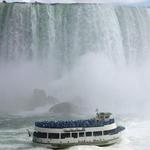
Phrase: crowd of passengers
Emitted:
{"points": [[74, 123]]}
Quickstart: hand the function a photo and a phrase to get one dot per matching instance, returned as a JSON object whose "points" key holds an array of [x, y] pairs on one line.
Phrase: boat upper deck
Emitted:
{"points": [[75, 123]]}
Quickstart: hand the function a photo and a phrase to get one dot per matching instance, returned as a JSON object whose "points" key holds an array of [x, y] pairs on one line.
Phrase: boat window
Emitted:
{"points": [[65, 135], [81, 134], [88, 133], [106, 132], [74, 135], [35, 134], [112, 120], [53, 135], [97, 133], [40, 134], [113, 131]]}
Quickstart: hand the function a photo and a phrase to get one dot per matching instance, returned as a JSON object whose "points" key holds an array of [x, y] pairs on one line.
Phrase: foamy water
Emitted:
{"points": [[13, 135], [36, 112]]}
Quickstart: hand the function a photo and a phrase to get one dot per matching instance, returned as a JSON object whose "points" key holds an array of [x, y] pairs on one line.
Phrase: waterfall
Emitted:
{"points": [[39, 42], [41, 32]]}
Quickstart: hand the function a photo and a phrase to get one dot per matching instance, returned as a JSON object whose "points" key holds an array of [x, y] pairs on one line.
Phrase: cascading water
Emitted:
{"points": [[39, 43], [35, 32]]}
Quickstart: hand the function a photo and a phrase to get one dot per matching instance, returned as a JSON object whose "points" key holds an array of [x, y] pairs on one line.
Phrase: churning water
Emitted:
{"points": [[13, 134], [99, 53]]}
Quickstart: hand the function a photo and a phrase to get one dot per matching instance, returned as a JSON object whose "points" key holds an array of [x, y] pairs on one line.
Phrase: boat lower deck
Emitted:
{"points": [[103, 140]]}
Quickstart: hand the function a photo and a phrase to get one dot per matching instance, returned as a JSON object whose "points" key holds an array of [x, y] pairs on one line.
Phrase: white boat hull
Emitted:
{"points": [[104, 140]]}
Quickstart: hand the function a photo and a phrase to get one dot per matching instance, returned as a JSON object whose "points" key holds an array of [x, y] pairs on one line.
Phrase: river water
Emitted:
{"points": [[13, 134]]}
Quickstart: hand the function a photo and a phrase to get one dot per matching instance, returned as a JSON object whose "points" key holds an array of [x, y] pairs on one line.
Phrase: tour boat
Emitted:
{"points": [[100, 130]]}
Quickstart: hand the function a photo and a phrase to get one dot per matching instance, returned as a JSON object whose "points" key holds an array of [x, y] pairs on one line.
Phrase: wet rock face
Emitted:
{"points": [[65, 108], [40, 98]]}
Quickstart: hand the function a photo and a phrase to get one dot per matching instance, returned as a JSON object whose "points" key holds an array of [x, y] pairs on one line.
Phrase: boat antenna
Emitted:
{"points": [[97, 114]]}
